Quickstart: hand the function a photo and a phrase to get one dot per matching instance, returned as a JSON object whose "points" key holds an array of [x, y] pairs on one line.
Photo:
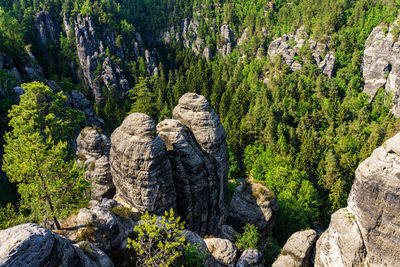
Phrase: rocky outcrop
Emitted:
{"points": [[98, 70], [80, 102], [140, 167], [297, 250], [367, 232], [101, 226], [194, 112], [223, 250], [195, 177], [381, 64], [255, 204], [194, 239], [227, 40], [23, 71], [227, 232], [45, 27], [341, 244], [35, 246], [93, 149], [251, 258], [289, 45]]}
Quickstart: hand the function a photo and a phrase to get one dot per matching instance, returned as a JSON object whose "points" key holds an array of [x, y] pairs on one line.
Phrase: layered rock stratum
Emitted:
{"points": [[140, 166], [381, 63], [367, 232]]}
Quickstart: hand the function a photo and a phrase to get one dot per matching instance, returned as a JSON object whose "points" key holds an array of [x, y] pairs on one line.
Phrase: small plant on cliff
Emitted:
{"points": [[160, 241], [249, 238]]}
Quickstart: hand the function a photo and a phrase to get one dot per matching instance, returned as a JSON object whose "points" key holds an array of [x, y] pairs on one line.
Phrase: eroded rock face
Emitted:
{"points": [[381, 64], [45, 27], [140, 167], [367, 231], [80, 102], [297, 250], [223, 250], [195, 112], [97, 67], [251, 258], [195, 177], [93, 149], [289, 45], [101, 226], [254, 204], [341, 244], [35, 246], [227, 40]]}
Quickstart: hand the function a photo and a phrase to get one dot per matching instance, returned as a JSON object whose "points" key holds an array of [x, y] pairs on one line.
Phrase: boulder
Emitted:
{"points": [[33, 245], [253, 203], [93, 149], [195, 177], [223, 250], [367, 231], [227, 232], [194, 112], [297, 250], [140, 166], [101, 226], [251, 258], [195, 240]]}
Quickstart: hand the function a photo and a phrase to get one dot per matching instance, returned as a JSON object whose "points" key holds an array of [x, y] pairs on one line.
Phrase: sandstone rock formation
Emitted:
{"points": [[381, 64], [195, 176], [93, 149], [101, 226], [297, 250], [35, 246], [223, 250], [255, 204], [26, 71], [195, 112], [45, 27], [98, 70], [367, 231], [341, 244], [251, 258], [140, 167], [194, 239], [289, 45], [227, 40], [227, 232], [80, 102]]}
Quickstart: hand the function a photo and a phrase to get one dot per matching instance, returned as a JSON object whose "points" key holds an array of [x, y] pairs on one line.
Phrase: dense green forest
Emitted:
{"points": [[302, 133]]}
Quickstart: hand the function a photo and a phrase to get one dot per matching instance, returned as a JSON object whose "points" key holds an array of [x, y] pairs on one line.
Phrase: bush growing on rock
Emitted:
{"points": [[160, 241], [249, 238]]}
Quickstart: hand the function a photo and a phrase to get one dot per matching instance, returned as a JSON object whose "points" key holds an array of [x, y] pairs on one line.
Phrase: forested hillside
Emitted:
{"points": [[294, 109]]}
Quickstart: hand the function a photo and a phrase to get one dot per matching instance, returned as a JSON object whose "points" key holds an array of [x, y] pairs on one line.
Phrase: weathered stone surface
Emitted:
{"points": [[297, 250], [195, 176], [375, 202], [140, 167], [93, 149], [227, 232], [195, 240], [381, 64], [254, 204], [80, 102], [195, 112], [45, 27], [223, 250], [289, 45], [227, 40], [92, 55], [35, 246], [341, 244], [367, 232], [251, 258], [101, 226], [95, 254]]}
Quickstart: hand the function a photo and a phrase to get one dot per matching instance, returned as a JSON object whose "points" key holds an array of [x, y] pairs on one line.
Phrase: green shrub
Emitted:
{"points": [[249, 239], [161, 242]]}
